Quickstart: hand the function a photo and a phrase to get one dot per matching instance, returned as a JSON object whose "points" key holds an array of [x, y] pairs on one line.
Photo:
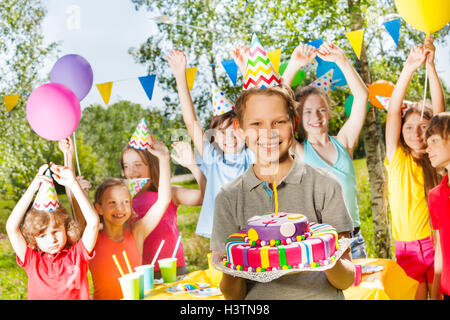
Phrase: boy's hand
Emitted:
{"points": [[240, 56], [63, 175], [158, 149], [177, 61], [430, 49], [416, 57], [66, 146], [183, 153], [303, 55], [332, 53], [39, 178]]}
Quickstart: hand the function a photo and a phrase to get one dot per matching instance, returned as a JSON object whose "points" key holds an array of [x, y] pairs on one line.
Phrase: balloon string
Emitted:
{"points": [[425, 91], [76, 153]]}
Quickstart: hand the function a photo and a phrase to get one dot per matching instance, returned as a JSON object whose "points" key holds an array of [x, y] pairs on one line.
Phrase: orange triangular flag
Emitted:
{"points": [[105, 91], [356, 40], [274, 57], [190, 76], [11, 101]]}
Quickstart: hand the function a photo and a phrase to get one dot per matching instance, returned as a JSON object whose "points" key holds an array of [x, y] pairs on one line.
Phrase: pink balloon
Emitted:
{"points": [[53, 111]]}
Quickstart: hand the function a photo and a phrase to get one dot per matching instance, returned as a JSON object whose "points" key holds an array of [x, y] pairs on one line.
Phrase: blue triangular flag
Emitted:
{"points": [[232, 70], [393, 28], [148, 83]]}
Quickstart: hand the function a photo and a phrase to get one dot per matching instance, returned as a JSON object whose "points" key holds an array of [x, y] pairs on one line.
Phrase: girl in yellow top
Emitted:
{"points": [[410, 174]]}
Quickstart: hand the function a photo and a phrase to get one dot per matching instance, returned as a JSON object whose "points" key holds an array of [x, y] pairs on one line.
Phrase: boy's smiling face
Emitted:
{"points": [[266, 127]]}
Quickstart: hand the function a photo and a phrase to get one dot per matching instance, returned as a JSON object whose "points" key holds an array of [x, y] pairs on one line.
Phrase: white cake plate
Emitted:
{"points": [[268, 276]]}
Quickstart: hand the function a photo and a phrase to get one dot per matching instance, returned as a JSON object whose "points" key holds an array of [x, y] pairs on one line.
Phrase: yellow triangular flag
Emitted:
{"points": [[274, 57], [11, 101], [356, 40], [105, 91], [190, 76]]}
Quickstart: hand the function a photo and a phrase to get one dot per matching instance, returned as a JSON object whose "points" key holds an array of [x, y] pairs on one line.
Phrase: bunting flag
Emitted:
{"points": [[141, 136], [298, 78], [11, 101], [148, 84], [275, 57], [260, 70], [356, 40], [221, 104], [135, 185], [46, 198], [105, 91], [190, 76], [393, 28], [385, 103], [231, 69]]}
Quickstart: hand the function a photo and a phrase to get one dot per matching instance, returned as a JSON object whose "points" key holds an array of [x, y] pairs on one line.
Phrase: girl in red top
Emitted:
{"points": [[48, 245], [438, 140]]}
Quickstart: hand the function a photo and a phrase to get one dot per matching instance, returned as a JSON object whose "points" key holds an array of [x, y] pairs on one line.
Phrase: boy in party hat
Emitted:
{"points": [[222, 155], [48, 245]]}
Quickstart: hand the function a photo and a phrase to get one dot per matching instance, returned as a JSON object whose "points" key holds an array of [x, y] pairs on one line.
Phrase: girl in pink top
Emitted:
{"points": [[140, 163], [48, 244]]}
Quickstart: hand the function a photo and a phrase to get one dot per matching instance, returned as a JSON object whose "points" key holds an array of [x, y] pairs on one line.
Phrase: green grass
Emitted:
{"points": [[13, 280]]}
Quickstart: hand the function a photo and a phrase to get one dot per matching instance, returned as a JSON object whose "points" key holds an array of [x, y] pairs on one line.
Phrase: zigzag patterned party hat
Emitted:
{"points": [[135, 185], [141, 136], [324, 82], [46, 198], [260, 71], [385, 102], [221, 104]]}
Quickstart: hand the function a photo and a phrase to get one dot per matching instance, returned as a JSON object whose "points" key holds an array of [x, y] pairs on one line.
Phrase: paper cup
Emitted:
{"points": [[130, 286], [168, 269], [148, 271], [214, 275]]}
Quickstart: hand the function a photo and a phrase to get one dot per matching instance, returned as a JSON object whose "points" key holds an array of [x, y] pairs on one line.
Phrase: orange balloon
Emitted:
{"points": [[381, 88]]}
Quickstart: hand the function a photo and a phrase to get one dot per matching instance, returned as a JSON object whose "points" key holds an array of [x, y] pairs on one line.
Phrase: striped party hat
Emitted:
{"points": [[135, 185], [324, 82], [385, 102], [221, 104], [46, 198], [141, 136], [260, 71]]}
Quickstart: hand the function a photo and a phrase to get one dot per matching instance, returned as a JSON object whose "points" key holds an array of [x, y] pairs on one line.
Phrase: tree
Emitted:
{"points": [[285, 24]]}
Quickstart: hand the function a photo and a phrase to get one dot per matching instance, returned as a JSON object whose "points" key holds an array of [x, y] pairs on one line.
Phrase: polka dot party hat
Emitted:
{"points": [[260, 71], [46, 198], [141, 136], [221, 104], [385, 102], [324, 82]]}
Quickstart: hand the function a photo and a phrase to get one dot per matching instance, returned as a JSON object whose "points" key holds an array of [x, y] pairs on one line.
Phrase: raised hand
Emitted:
{"points": [[240, 56], [66, 146], [39, 178], [332, 53], [84, 184], [416, 57], [303, 55], [183, 153], [158, 149], [430, 49], [63, 175], [177, 61]]}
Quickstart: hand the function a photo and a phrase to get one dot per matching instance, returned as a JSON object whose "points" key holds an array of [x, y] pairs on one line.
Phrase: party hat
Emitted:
{"points": [[260, 71], [324, 82], [136, 185], [385, 102], [46, 198], [221, 104], [141, 136]]}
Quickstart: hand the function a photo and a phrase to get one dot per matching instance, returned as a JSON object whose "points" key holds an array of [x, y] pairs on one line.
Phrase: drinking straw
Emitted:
{"points": [[127, 261], [176, 246], [118, 265], [157, 253]]}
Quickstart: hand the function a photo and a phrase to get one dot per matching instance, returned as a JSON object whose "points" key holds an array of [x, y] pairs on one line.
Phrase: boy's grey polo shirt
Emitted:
{"points": [[313, 192]]}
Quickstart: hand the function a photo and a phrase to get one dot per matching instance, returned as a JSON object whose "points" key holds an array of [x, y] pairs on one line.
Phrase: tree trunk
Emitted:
{"points": [[374, 152]]}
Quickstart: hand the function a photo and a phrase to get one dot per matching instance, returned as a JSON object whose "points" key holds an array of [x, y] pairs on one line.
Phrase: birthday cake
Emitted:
{"points": [[279, 242]]}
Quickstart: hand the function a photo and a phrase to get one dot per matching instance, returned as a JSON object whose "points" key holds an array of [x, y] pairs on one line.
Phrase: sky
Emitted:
{"points": [[102, 31]]}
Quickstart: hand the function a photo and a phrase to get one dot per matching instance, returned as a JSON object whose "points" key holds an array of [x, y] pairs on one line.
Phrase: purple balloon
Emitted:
{"points": [[74, 72]]}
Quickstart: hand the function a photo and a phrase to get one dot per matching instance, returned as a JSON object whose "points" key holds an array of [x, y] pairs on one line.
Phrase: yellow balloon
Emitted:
{"points": [[425, 15]]}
